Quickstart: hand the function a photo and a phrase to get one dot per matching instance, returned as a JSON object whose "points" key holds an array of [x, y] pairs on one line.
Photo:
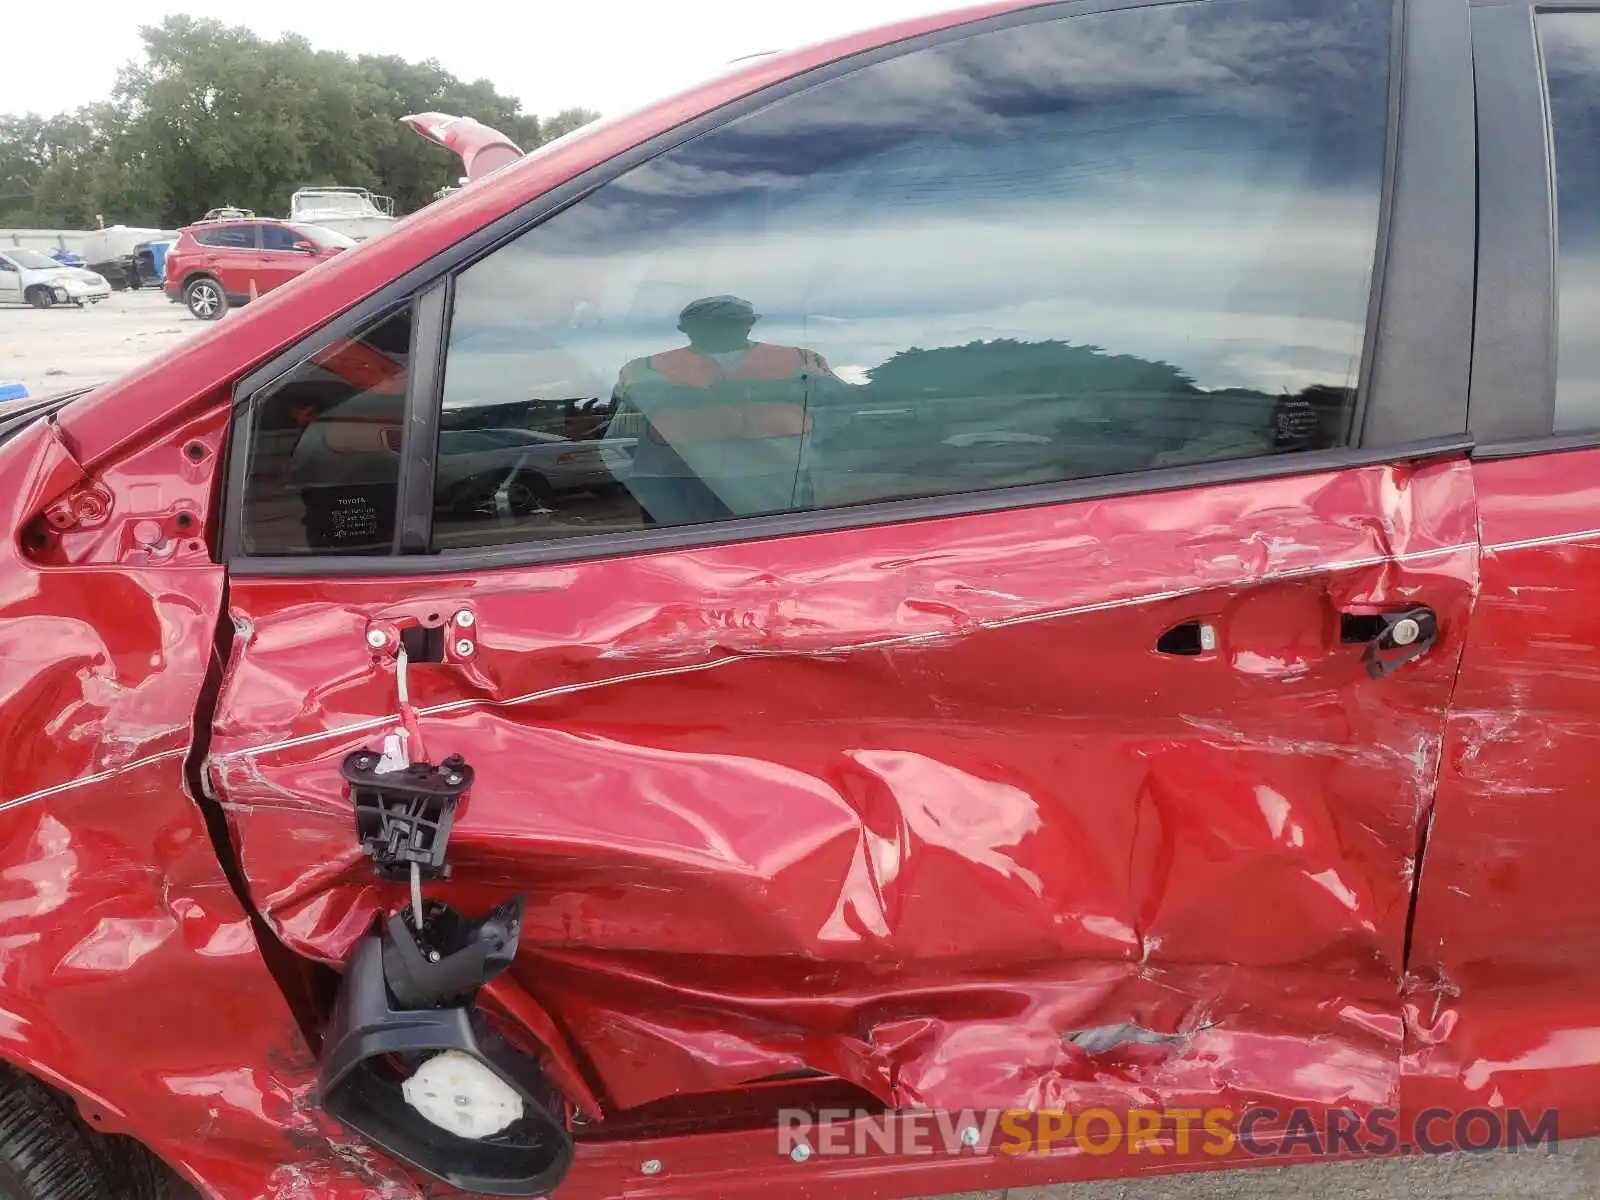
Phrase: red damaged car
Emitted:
{"points": [[1031, 561]]}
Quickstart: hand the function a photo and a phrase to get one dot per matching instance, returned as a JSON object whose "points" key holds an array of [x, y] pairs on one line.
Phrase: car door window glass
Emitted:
{"points": [[1571, 45], [233, 237], [325, 447], [1098, 244], [276, 237]]}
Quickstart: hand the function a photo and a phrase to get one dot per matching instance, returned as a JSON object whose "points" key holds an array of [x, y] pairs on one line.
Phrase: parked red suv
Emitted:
{"points": [[1001, 600], [215, 265]]}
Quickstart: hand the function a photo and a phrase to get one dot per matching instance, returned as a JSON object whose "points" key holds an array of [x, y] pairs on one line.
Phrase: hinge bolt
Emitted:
{"points": [[465, 647], [650, 1166], [465, 619], [452, 780], [377, 639], [800, 1153]]}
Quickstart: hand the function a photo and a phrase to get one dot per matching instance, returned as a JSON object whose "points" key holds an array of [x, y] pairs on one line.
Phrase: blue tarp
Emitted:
{"points": [[13, 391], [158, 255]]}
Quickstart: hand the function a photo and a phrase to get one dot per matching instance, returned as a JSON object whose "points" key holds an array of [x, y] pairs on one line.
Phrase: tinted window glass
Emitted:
{"points": [[1571, 44], [278, 237], [1100, 244], [238, 237], [325, 448]]}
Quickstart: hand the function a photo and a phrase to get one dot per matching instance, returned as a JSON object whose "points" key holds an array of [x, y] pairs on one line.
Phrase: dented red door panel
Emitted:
{"points": [[1506, 927], [921, 807]]}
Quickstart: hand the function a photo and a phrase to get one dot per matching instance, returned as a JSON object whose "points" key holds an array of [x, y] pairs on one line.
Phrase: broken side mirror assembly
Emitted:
{"points": [[408, 1061]]}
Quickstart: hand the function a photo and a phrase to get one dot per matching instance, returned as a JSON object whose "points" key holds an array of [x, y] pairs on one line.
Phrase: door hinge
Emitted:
{"points": [[86, 506], [428, 633]]}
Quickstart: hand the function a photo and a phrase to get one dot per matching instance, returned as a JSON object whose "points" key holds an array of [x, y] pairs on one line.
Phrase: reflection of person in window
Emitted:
{"points": [[722, 423]]}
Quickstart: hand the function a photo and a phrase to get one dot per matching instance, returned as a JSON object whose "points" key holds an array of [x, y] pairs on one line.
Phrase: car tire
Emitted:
{"points": [[46, 1153], [205, 299], [40, 297]]}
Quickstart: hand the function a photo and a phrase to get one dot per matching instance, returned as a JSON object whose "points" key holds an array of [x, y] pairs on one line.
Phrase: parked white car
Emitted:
{"points": [[29, 277]]}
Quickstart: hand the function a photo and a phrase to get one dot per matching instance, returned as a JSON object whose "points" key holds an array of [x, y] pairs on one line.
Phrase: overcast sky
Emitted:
{"points": [[611, 55]]}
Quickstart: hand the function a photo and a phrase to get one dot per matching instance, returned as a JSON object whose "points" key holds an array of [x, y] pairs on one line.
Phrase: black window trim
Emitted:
{"points": [[241, 432], [1515, 353], [1422, 346], [419, 445], [1416, 415]]}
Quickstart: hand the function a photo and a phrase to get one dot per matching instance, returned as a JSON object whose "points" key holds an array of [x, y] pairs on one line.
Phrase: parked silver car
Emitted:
{"points": [[29, 277]]}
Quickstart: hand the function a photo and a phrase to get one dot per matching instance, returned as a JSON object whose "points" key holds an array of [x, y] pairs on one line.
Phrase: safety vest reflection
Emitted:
{"points": [[721, 434]]}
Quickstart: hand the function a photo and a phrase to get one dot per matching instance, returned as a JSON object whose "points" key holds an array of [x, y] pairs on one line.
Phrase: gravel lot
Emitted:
{"points": [[59, 349]]}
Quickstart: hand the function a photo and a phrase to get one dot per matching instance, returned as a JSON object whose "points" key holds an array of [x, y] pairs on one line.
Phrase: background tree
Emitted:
{"points": [[213, 115]]}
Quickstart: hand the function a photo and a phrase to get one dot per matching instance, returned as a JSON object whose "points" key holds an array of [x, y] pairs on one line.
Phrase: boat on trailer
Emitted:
{"points": [[353, 211]]}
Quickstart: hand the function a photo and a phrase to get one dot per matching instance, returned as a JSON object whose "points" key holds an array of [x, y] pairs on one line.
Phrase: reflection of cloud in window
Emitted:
{"points": [[1190, 183], [1571, 43], [1267, 292], [1240, 62], [1578, 355]]}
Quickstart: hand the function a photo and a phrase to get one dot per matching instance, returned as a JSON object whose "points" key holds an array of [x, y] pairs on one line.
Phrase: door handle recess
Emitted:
{"points": [[1391, 639], [1188, 639]]}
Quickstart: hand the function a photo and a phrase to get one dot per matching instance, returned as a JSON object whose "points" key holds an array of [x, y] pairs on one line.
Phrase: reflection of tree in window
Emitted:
{"points": [[1005, 412]]}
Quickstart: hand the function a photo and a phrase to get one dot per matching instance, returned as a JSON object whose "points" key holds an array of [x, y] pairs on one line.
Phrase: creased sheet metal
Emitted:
{"points": [[913, 806]]}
